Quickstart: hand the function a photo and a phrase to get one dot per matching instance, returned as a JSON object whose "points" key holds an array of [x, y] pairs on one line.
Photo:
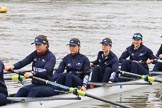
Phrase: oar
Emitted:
{"points": [[144, 77], [155, 73], [75, 91], [126, 78], [156, 60], [117, 84], [30, 99], [79, 92], [22, 72], [16, 78]]}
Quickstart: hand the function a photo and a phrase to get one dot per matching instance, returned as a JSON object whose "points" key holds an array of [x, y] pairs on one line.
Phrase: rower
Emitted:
{"points": [[158, 64], [105, 67], [43, 62], [77, 67], [139, 56], [3, 88]]}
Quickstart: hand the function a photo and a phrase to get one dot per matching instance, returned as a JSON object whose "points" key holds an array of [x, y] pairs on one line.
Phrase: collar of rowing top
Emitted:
{"points": [[74, 54], [42, 53]]}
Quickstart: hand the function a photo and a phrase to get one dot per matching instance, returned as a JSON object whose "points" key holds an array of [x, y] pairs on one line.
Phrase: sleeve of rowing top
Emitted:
{"points": [[1, 67], [96, 62], [86, 71], [159, 51], [49, 65], [124, 55], [3, 87], [59, 70], [61, 66], [86, 66], [85, 81], [27, 60], [115, 65], [43, 65], [113, 76], [151, 55]]}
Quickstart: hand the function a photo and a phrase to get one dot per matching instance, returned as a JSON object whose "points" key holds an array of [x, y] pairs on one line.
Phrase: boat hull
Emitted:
{"points": [[99, 92]]}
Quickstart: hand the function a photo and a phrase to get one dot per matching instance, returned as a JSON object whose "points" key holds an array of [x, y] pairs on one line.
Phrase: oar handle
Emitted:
{"points": [[8, 78], [19, 72], [16, 78]]}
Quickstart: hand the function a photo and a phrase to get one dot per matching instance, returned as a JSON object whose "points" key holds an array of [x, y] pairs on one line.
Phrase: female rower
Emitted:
{"points": [[139, 56], [43, 62], [77, 67], [105, 67], [158, 65], [3, 88]]}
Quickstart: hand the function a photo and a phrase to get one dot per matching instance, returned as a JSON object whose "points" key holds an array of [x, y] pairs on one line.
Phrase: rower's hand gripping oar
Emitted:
{"points": [[76, 91], [17, 77], [144, 77], [157, 60], [20, 77]]}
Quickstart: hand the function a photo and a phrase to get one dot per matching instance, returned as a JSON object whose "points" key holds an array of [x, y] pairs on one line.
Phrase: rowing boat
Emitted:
{"points": [[99, 91]]}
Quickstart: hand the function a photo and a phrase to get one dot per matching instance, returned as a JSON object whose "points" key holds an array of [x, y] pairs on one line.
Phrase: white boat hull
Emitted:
{"points": [[99, 92]]}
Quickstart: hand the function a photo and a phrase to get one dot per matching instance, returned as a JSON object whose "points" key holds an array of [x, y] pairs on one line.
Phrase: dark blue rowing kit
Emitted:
{"points": [[137, 59], [42, 65], [77, 70], [158, 65], [3, 88], [105, 68]]}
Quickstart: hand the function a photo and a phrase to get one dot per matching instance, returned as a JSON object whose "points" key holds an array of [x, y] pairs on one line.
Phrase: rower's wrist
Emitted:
{"points": [[85, 85], [33, 72]]}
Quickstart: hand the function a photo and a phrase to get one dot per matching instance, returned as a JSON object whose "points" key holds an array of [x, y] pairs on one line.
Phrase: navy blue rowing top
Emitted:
{"points": [[141, 54], [41, 65], [75, 63], [3, 88]]}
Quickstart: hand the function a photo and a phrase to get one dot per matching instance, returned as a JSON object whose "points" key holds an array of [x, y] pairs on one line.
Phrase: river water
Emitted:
{"points": [[89, 20]]}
